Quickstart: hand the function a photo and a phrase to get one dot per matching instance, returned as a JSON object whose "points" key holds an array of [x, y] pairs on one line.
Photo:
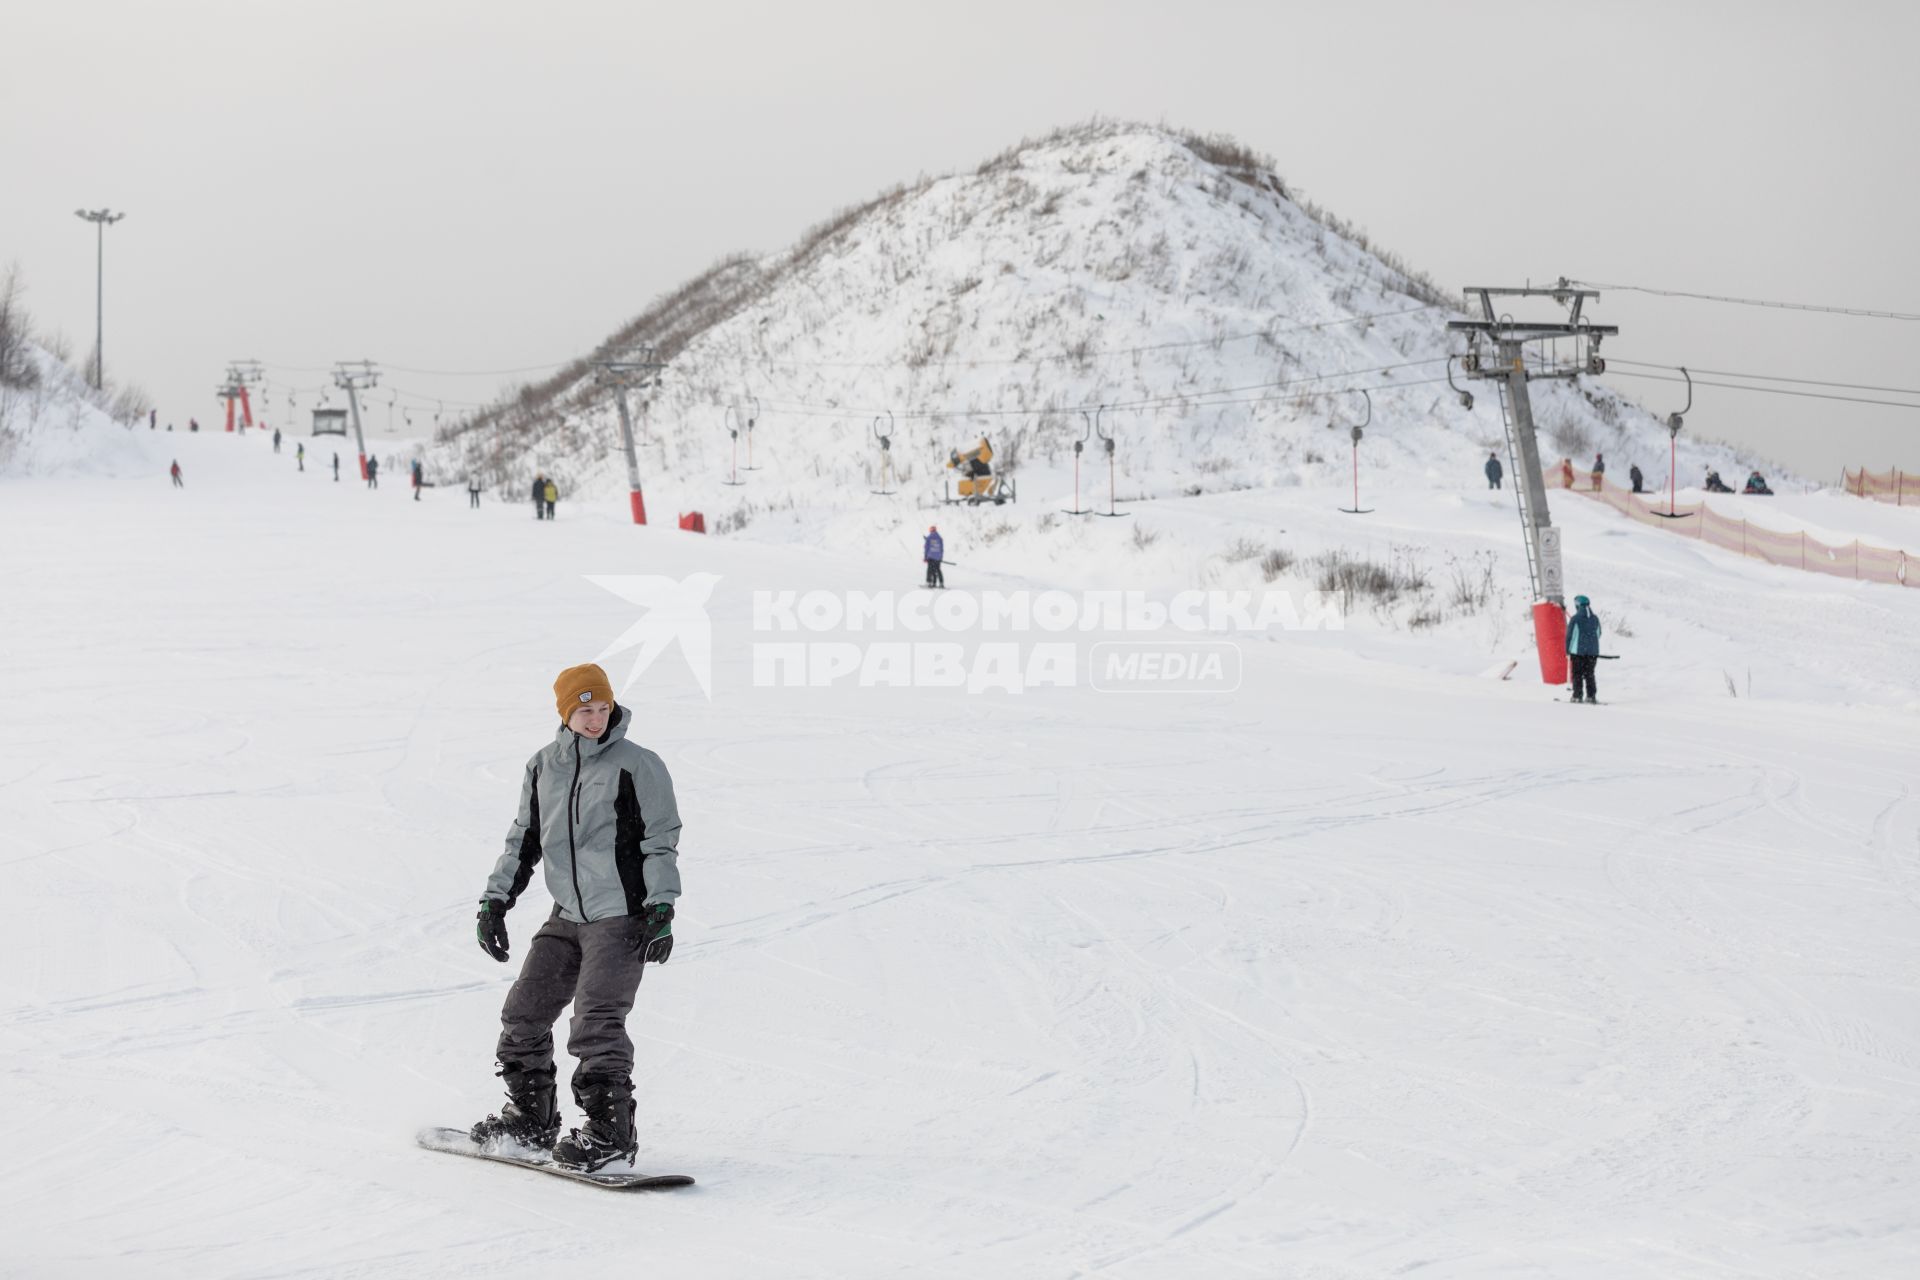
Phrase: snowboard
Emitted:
{"points": [[455, 1142]]}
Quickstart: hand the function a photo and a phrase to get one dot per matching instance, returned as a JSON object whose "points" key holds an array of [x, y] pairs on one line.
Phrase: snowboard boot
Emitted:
{"points": [[608, 1133], [531, 1116]]}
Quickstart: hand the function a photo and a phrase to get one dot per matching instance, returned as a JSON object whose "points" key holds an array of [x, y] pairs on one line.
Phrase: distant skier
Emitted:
{"points": [[174, 471], [1494, 470], [276, 439], [551, 492], [193, 424], [336, 466], [1757, 483], [1599, 470], [1566, 473], [601, 808], [153, 419], [373, 473], [1583, 648], [932, 551], [1633, 474], [419, 479], [473, 492], [300, 454], [539, 496]]}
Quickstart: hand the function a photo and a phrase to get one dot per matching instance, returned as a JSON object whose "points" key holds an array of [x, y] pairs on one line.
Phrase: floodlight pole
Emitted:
{"points": [[353, 375], [643, 373], [101, 220]]}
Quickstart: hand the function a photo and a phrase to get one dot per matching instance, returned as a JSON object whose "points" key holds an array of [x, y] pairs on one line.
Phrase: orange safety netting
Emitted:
{"points": [[1794, 550], [1884, 486]]}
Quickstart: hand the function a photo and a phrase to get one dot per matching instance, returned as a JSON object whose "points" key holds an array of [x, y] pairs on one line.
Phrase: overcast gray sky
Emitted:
{"points": [[487, 185]]}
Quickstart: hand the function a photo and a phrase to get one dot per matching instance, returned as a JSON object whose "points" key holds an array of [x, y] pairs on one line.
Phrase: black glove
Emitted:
{"points": [[492, 928], [655, 942]]}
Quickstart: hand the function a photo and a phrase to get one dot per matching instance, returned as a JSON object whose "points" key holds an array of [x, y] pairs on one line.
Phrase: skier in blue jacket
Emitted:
{"points": [[931, 552], [1583, 647]]}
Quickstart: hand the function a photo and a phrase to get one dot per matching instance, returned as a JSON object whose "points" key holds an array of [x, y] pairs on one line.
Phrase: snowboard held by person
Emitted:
{"points": [[1583, 649], [599, 809]]}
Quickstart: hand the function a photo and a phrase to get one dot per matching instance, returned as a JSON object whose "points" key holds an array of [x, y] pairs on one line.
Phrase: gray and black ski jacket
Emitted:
{"points": [[602, 814]]}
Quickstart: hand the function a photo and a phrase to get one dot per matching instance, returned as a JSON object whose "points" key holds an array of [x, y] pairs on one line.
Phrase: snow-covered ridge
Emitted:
{"points": [[1174, 279], [52, 421]]}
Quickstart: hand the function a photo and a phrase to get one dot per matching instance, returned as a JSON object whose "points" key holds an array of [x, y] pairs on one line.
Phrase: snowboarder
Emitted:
{"points": [[931, 551], [473, 492], [373, 473], [1494, 470], [193, 424], [1583, 648], [552, 493], [174, 471], [601, 808], [539, 496], [1715, 484], [276, 439], [1633, 474], [1757, 483], [419, 479], [1599, 470]]}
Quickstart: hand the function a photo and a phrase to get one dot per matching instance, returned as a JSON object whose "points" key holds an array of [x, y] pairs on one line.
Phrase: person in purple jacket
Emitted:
{"points": [[931, 552]]}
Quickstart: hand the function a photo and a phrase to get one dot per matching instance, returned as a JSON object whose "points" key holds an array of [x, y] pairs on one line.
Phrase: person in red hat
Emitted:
{"points": [[599, 809], [931, 552]]}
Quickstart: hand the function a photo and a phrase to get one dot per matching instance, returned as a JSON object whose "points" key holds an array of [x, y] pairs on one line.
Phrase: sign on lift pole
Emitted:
{"points": [[1506, 367], [354, 375], [621, 374]]}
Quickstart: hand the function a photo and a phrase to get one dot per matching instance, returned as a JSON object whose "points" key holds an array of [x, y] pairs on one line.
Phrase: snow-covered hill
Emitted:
{"points": [[53, 423], [1228, 328]]}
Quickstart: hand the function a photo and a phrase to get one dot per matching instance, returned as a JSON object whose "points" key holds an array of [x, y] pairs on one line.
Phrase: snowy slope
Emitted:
{"points": [[1231, 329], [1377, 964], [57, 426]]}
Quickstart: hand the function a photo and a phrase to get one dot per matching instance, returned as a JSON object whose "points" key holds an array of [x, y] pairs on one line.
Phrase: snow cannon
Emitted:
{"points": [[977, 482]]}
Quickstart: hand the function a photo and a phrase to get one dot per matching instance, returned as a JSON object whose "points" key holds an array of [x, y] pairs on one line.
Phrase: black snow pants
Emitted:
{"points": [[1583, 665], [934, 577], [596, 968]]}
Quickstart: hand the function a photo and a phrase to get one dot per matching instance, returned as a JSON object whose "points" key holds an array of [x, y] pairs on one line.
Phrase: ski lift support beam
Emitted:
{"points": [[644, 373]]}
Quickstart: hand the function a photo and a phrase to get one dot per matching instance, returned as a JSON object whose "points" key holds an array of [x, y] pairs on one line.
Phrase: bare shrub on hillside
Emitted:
{"points": [[17, 370], [1351, 578], [1142, 539], [1276, 562], [1241, 549]]}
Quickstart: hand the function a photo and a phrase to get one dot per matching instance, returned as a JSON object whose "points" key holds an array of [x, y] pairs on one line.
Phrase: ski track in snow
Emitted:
{"points": [[1373, 968]]}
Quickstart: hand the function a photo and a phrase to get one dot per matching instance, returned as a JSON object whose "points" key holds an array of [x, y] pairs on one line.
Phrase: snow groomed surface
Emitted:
{"points": [[1378, 963]]}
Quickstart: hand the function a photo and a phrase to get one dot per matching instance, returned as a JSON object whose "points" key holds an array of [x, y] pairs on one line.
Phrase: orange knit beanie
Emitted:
{"points": [[577, 686]]}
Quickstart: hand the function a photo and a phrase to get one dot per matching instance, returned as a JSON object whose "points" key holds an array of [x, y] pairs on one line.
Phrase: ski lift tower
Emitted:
{"points": [[241, 376], [621, 374], [1496, 352], [355, 376]]}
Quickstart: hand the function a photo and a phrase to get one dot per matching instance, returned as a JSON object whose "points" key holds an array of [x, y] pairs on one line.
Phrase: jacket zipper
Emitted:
{"points": [[573, 794]]}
